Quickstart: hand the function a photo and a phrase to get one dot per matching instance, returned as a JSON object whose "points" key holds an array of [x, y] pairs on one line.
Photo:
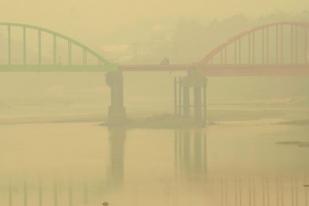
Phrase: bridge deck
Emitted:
{"points": [[51, 68], [208, 70], [224, 70]]}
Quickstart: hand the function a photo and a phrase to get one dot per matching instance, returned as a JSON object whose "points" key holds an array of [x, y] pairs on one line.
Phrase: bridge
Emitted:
{"points": [[272, 49], [35, 49]]}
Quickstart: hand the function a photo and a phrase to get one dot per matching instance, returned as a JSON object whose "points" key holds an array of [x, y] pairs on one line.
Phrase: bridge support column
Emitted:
{"points": [[116, 113], [186, 100], [204, 105], [191, 85], [198, 117], [198, 83]]}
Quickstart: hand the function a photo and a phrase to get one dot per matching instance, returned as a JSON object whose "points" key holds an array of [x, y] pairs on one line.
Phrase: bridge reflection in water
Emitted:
{"points": [[252, 53], [189, 149], [260, 190], [190, 153]]}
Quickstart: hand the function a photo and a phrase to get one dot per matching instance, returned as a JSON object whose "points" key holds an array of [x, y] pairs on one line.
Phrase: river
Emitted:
{"points": [[55, 151]]}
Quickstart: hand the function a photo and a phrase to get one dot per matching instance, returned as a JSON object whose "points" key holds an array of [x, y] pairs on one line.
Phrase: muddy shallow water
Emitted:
{"points": [[86, 164]]}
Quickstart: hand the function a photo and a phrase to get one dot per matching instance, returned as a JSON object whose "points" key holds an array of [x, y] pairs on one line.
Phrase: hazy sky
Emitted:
{"points": [[83, 18]]}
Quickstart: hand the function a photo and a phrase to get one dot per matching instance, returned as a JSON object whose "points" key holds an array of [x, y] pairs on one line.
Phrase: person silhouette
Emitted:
{"points": [[105, 204]]}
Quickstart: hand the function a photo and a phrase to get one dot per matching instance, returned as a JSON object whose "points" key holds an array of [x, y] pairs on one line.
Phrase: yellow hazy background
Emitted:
{"points": [[95, 19], [52, 124]]}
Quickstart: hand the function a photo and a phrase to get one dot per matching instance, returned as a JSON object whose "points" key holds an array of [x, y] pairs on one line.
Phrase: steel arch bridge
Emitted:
{"points": [[49, 51], [271, 49]]}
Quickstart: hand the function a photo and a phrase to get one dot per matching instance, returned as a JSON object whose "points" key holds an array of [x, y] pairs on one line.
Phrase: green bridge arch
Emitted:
{"points": [[101, 63]]}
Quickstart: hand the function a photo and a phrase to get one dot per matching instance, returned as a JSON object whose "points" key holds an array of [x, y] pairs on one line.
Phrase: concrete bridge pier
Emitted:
{"points": [[198, 117], [199, 99], [190, 98], [186, 107], [116, 112]]}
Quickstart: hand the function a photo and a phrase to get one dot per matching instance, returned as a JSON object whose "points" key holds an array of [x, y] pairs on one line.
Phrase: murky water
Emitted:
{"points": [[55, 151], [86, 164]]}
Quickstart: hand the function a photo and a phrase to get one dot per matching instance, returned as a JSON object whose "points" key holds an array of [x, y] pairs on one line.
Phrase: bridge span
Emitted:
{"points": [[218, 70], [268, 50], [277, 49]]}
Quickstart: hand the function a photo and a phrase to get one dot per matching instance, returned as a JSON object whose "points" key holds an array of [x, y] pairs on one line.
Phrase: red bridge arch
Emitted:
{"points": [[276, 43]]}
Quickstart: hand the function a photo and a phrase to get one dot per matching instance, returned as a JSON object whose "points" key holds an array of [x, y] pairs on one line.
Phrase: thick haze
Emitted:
{"points": [[102, 19], [139, 32], [186, 139]]}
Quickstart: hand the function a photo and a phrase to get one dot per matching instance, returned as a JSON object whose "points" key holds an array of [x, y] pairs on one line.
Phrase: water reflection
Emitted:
{"points": [[191, 176], [190, 147], [261, 190], [117, 138], [190, 152]]}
